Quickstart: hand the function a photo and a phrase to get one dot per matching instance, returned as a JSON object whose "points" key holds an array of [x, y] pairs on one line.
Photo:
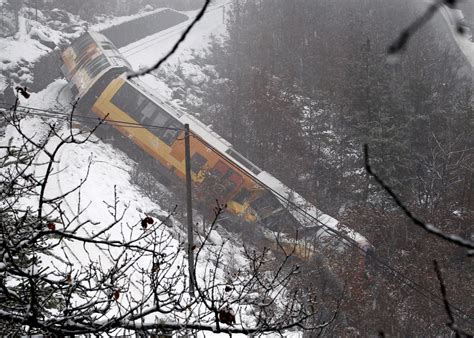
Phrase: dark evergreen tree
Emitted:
{"points": [[301, 86]]}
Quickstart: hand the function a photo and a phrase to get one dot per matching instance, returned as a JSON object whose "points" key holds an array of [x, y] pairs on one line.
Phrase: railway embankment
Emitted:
{"points": [[131, 31], [47, 68]]}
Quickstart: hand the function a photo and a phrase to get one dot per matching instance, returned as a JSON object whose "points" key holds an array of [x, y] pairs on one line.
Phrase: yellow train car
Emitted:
{"points": [[127, 101], [90, 63], [97, 74], [96, 71]]}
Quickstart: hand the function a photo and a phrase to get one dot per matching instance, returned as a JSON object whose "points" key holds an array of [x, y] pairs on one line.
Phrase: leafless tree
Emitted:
{"points": [[430, 228], [58, 276]]}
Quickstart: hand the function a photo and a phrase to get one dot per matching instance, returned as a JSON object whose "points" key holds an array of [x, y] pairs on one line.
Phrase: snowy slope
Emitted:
{"points": [[147, 51], [110, 169], [109, 173], [34, 39]]}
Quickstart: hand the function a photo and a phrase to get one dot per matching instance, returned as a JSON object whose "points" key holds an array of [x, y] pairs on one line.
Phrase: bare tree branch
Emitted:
{"points": [[176, 45], [128, 276], [430, 228], [401, 42], [451, 324]]}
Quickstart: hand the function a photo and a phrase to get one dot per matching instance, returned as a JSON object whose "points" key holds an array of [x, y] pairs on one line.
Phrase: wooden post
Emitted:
{"points": [[189, 209]]}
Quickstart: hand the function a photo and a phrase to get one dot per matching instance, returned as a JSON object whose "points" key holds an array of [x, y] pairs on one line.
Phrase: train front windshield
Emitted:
{"points": [[87, 58], [78, 53]]}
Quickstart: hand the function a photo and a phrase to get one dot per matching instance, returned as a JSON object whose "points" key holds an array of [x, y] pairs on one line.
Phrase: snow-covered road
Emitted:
{"points": [[149, 50]]}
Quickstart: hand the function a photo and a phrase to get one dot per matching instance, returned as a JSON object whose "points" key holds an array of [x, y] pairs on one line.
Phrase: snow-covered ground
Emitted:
{"points": [[148, 51], [34, 39], [110, 169], [109, 174], [106, 22]]}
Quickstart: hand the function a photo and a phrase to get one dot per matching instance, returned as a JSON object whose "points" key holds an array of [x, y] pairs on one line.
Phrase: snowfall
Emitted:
{"points": [[111, 169]]}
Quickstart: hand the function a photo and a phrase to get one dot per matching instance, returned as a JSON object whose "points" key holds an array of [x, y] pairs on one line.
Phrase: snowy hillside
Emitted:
{"points": [[146, 52], [100, 205]]}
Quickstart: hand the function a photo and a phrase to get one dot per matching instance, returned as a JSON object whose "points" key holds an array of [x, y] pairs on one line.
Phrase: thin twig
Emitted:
{"points": [[175, 47], [400, 43], [451, 324], [455, 239]]}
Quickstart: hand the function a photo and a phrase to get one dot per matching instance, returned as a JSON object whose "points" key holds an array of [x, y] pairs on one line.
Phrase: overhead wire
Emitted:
{"points": [[55, 113], [345, 240]]}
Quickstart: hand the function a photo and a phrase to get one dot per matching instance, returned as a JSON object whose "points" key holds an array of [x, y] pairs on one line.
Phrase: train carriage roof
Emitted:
{"points": [[282, 192], [307, 214], [201, 130], [88, 58]]}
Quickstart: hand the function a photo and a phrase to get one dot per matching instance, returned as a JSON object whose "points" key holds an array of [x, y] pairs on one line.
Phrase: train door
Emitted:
{"points": [[221, 182], [233, 180]]}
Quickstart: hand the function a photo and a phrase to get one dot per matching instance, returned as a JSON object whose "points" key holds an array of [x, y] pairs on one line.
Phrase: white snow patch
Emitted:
{"points": [[148, 51]]}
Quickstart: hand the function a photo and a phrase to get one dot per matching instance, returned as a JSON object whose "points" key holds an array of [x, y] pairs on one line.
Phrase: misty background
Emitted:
{"points": [[299, 87]]}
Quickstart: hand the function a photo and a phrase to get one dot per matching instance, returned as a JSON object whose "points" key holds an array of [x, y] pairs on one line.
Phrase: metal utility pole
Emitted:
{"points": [[189, 201]]}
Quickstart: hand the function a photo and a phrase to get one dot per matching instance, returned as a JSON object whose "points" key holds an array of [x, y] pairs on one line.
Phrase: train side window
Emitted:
{"points": [[197, 162], [229, 187], [171, 133], [242, 196], [129, 100], [160, 118], [145, 111], [154, 115], [231, 180], [123, 96], [233, 176], [148, 113], [228, 174]]}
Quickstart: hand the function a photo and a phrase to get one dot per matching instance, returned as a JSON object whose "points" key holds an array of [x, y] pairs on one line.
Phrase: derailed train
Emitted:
{"points": [[97, 74]]}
